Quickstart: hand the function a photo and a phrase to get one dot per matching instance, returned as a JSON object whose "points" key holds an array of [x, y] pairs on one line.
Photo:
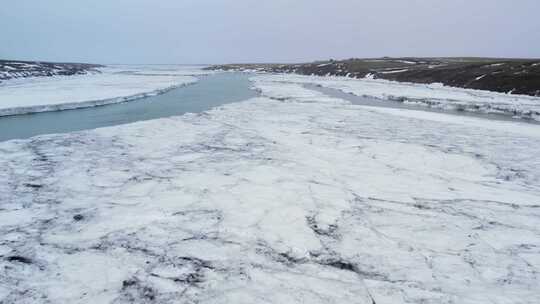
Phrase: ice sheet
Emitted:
{"points": [[293, 197]]}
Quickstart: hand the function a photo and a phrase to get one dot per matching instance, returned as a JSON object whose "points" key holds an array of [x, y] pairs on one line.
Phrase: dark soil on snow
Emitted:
{"points": [[518, 76]]}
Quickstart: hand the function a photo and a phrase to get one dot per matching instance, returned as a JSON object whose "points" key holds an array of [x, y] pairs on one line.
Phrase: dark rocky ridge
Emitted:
{"points": [[19, 69], [518, 76]]}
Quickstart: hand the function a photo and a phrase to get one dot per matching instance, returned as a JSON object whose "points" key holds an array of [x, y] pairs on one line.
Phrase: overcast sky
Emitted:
{"points": [[213, 31]]}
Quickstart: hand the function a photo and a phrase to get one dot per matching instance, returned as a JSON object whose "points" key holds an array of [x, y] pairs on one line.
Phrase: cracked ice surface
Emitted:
{"points": [[289, 198]]}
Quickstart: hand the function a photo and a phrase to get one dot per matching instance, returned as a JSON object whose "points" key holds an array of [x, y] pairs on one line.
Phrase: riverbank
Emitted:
{"points": [[110, 85], [423, 95]]}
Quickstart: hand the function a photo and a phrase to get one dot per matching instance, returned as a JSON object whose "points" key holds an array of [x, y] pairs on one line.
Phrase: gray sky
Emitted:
{"points": [[213, 31]]}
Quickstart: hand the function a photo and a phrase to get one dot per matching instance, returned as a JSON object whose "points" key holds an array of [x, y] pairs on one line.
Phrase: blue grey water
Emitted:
{"points": [[210, 91]]}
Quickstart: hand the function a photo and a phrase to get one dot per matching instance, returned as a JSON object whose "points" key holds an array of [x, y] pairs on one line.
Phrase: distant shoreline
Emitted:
{"points": [[515, 76], [12, 69]]}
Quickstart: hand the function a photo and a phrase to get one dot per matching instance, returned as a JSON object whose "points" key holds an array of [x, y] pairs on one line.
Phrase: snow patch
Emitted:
{"points": [[394, 71], [480, 77], [369, 76], [494, 65]]}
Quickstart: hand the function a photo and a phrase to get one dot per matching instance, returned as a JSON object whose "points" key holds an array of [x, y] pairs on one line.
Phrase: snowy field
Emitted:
{"points": [[292, 197], [431, 95], [115, 84], [165, 69]]}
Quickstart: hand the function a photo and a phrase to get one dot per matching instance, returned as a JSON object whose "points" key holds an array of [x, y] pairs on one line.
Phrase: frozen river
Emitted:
{"points": [[293, 196], [210, 91]]}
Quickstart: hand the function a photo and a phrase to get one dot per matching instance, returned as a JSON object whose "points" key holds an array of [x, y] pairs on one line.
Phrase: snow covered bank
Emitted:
{"points": [[10, 69], [296, 198], [433, 95], [113, 85]]}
